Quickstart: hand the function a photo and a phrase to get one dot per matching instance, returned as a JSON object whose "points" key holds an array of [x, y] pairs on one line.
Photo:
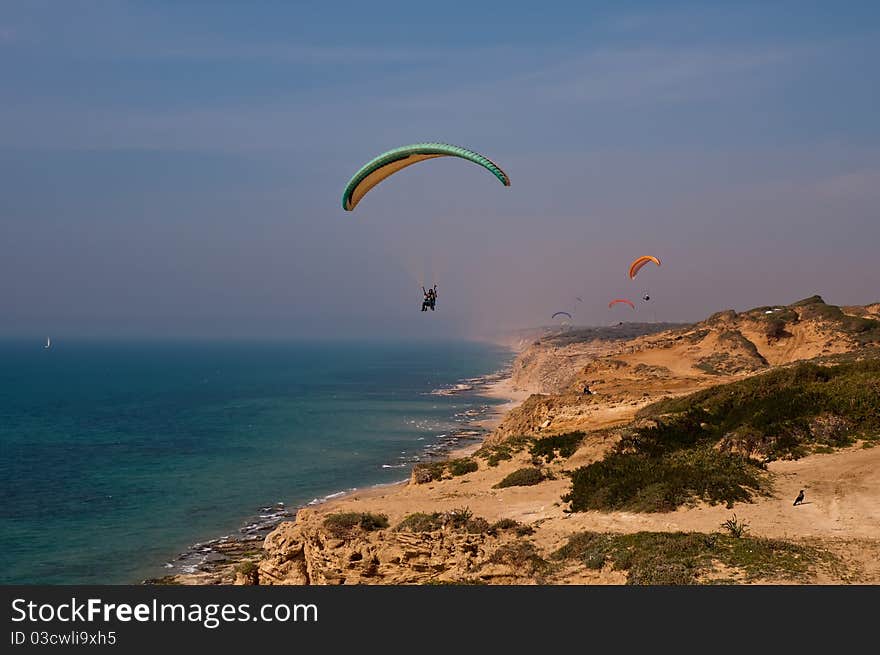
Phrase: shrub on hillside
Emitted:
{"points": [[562, 445], [683, 558], [523, 477], [343, 524], [425, 472]]}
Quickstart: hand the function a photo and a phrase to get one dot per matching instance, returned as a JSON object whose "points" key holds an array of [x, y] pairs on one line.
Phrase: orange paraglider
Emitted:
{"points": [[622, 301], [639, 263]]}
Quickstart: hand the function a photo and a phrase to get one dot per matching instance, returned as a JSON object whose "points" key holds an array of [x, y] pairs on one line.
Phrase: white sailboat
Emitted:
{"points": [[48, 343]]}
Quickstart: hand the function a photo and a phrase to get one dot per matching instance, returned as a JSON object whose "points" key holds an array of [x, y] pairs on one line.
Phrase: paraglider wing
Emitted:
{"points": [[561, 314], [639, 263], [623, 301], [389, 163]]}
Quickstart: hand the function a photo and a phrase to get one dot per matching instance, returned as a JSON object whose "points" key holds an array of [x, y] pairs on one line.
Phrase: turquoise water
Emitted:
{"points": [[116, 457]]}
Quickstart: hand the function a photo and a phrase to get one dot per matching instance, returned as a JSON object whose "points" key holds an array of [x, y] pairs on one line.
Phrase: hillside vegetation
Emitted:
{"points": [[713, 445]]}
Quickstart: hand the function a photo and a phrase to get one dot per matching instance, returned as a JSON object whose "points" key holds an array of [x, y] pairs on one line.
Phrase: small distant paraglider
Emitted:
{"points": [[564, 319], [48, 343], [622, 301]]}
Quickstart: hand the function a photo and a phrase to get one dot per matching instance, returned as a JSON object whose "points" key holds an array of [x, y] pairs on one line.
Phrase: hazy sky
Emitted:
{"points": [[176, 168]]}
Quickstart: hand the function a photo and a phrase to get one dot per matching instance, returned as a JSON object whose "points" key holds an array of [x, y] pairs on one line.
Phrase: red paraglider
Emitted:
{"points": [[623, 301]]}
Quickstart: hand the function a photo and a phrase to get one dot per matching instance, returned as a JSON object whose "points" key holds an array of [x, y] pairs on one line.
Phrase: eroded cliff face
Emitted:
{"points": [[305, 552], [595, 378]]}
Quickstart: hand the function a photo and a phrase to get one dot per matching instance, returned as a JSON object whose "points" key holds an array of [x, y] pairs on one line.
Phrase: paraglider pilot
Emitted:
{"points": [[430, 298]]}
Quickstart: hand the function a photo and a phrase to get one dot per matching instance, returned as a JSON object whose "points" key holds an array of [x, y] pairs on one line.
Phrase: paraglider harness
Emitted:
{"points": [[430, 298]]}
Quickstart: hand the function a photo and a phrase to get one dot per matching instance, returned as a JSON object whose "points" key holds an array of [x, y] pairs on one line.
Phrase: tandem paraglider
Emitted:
{"points": [[430, 301], [380, 168]]}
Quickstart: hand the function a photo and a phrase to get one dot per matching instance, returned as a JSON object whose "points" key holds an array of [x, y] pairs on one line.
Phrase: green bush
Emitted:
{"points": [[660, 483], [249, 570], [425, 472], [343, 524], [562, 445], [462, 466], [735, 528], [509, 524], [777, 413], [456, 519], [521, 478], [681, 558], [421, 522], [505, 524], [495, 453], [775, 330]]}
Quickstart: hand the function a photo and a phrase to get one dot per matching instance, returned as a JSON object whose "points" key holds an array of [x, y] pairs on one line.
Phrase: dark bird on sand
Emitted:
{"points": [[800, 498]]}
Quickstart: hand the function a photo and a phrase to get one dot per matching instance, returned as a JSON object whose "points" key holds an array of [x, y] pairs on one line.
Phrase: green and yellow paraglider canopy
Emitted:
{"points": [[389, 163]]}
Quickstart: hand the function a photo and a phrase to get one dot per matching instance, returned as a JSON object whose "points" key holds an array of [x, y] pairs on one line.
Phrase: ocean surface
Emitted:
{"points": [[117, 457]]}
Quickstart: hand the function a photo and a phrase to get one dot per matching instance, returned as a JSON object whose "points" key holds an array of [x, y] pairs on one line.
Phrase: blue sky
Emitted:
{"points": [[175, 169]]}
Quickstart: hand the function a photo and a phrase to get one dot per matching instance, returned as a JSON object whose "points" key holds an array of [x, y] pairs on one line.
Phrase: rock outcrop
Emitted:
{"points": [[304, 552]]}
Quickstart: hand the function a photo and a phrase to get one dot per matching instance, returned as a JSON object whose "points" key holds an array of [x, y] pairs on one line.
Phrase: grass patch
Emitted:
{"points": [[421, 522], [524, 477], [343, 524], [561, 445], [461, 519], [521, 555], [684, 558], [502, 451], [509, 524], [777, 414], [425, 472]]}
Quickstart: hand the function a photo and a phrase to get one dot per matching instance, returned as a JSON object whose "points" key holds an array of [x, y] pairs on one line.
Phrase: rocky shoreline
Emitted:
{"points": [[230, 558]]}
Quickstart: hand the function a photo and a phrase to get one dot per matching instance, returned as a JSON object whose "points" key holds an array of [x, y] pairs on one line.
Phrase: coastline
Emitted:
{"points": [[217, 561], [462, 523]]}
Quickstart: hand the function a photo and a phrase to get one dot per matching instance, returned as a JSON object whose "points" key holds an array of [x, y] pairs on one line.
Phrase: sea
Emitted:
{"points": [[120, 460]]}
